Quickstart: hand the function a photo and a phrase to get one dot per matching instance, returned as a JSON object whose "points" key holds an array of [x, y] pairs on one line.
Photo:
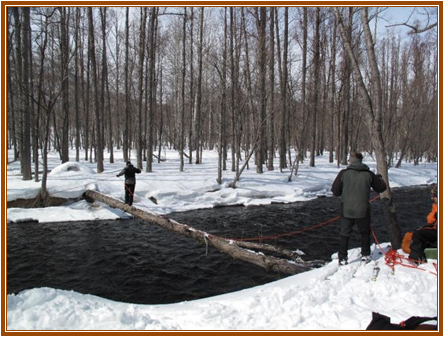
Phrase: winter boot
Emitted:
{"points": [[343, 250]]}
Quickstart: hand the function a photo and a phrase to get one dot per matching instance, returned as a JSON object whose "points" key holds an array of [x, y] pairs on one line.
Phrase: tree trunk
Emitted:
{"points": [[87, 106], [105, 86], [152, 88], [250, 99], [47, 121], [34, 119], [374, 118], [182, 113], [25, 155], [228, 246], [92, 56], [190, 126], [247, 159], [333, 91], [262, 58], [198, 127], [126, 130], [11, 93], [223, 104], [284, 87], [76, 85], [232, 93], [301, 150], [118, 112], [270, 137], [64, 46], [316, 65], [142, 43], [346, 97], [301, 146]]}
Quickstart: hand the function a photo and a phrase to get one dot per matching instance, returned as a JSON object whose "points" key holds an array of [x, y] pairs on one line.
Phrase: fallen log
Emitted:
{"points": [[230, 247]]}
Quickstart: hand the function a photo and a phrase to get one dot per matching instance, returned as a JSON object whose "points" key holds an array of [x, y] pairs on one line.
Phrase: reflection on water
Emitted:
{"points": [[132, 261]]}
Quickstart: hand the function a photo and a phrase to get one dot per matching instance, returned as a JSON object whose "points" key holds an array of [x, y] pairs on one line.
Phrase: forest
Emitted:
{"points": [[277, 84]]}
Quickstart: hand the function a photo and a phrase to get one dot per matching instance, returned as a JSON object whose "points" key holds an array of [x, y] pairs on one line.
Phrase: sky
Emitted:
{"points": [[328, 298], [409, 15]]}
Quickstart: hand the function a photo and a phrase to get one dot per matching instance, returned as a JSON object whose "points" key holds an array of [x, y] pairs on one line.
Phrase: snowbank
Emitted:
{"points": [[329, 298]]}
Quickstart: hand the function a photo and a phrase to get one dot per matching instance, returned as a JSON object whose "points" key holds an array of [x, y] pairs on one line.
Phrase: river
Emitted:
{"points": [[135, 262]]}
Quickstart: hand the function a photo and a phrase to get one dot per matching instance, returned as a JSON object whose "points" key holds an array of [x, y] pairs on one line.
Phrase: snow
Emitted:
{"points": [[328, 298], [176, 191]]}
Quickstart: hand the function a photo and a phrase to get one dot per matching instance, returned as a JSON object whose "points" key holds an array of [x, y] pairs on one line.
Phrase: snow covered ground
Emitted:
{"points": [[329, 298], [177, 191]]}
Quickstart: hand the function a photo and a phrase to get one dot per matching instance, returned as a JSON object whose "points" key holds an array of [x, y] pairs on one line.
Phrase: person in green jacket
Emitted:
{"points": [[354, 185]]}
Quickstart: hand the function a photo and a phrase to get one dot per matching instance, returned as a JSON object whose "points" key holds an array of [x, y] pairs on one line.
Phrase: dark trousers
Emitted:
{"points": [[346, 230], [129, 193], [420, 241]]}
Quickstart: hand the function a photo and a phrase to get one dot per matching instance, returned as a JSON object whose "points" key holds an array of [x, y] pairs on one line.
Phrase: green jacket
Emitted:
{"points": [[353, 185]]}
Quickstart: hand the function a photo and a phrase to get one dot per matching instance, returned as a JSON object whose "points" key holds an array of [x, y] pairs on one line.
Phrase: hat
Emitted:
{"points": [[355, 158], [357, 155], [434, 191], [128, 163]]}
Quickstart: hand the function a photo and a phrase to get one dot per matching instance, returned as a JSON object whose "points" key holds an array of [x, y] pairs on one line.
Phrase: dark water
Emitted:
{"points": [[132, 261]]}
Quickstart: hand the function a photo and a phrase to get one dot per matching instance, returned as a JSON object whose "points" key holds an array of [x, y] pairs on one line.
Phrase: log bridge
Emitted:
{"points": [[236, 249]]}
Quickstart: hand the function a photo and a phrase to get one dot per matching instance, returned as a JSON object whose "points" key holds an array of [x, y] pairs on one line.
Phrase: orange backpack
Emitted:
{"points": [[406, 242]]}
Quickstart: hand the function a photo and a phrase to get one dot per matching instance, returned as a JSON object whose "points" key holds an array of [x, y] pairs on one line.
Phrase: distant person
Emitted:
{"points": [[354, 184], [130, 181], [426, 236]]}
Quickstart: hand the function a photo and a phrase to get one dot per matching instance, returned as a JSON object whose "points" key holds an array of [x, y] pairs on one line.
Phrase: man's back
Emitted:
{"points": [[354, 185], [130, 174]]}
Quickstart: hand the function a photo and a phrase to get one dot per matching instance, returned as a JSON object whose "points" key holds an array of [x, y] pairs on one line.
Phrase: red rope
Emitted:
{"points": [[393, 258], [272, 237], [126, 187], [285, 234]]}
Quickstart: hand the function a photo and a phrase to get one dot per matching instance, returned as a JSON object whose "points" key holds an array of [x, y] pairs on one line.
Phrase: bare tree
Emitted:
{"points": [[105, 85], [98, 126], [204, 89], [346, 80], [232, 94], [373, 113], [182, 114], [416, 28], [223, 105], [261, 24], [46, 100], [301, 146], [316, 66], [64, 52], [25, 153], [126, 154], [142, 43], [152, 87], [270, 137], [284, 87], [191, 116], [76, 84], [333, 89], [198, 127], [12, 131]]}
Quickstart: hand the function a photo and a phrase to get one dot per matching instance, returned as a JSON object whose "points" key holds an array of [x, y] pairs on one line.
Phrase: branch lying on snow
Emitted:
{"points": [[230, 247]]}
